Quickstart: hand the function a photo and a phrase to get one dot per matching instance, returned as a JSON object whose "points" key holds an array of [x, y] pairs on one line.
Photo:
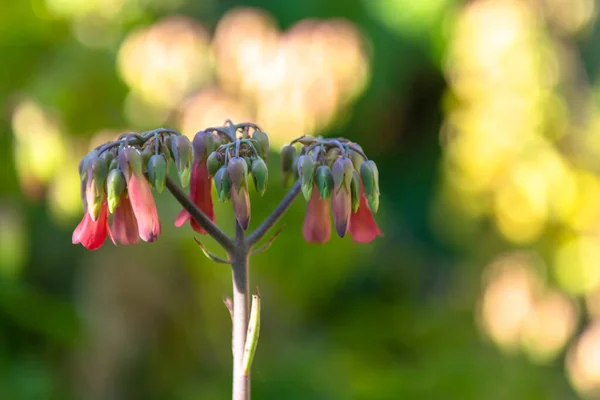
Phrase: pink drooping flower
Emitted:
{"points": [[200, 193], [144, 208], [317, 223], [124, 226], [363, 227], [140, 195], [91, 234]]}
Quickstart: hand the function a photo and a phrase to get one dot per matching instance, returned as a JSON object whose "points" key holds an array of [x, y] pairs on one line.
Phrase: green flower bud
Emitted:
{"points": [[96, 177], [324, 180], [332, 155], [157, 171], [262, 145], [288, 155], [108, 156], [183, 156], [113, 164], [355, 191], [147, 152], [237, 169], [306, 171], [223, 184], [166, 146], [115, 185], [260, 175], [214, 162], [370, 178], [356, 158]]}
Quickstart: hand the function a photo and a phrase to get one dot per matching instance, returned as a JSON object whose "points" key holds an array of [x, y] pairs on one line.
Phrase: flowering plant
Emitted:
{"points": [[117, 177]]}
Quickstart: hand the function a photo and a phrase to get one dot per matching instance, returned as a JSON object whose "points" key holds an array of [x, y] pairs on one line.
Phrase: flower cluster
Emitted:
{"points": [[116, 179], [336, 169], [229, 163]]}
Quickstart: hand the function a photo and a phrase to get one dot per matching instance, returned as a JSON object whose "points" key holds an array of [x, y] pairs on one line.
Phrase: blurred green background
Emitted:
{"points": [[483, 117]]}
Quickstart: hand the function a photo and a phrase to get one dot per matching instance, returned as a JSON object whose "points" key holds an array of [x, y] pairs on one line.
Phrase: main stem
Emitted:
{"points": [[240, 315], [239, 249]]}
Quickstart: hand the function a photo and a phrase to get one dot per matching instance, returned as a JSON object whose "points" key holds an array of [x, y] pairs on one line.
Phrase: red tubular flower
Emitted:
{"points": [[124, 226], [363, 227], [144, 209], [317, 224], [200, 193], [91, 234]]}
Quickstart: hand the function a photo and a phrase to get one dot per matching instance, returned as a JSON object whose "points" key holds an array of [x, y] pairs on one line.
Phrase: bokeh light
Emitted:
{"points": [[519, 311]]}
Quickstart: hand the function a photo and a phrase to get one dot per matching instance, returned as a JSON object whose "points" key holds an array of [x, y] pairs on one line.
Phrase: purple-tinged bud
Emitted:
{"points": [[115, 185], [324, 181], [130, 162], [370, 178], [262, 144], [203, 145], [355, 191], [96, 178], [223, 184], [341, 207], [214, 162], [306, 171], [342, 173], [183, 156], [356, 158], [85, 163], [157, 171], [237, 169], [241, 207], [260, 175]]}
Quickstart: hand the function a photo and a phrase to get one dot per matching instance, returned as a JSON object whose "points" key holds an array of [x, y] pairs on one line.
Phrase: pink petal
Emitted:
{"points": [[143, 207], [182, 218], [124, 226], [317, 223], [91, 234], [363, 227]]}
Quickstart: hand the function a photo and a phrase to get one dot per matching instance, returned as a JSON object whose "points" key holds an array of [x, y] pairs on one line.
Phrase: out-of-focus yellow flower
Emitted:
{"points": [[39, 146], [165, 63], [517, 310], [298, 81], [583, 362]]}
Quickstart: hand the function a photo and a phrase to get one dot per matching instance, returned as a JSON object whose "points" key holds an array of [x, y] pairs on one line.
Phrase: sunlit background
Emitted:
{"points": [[483, 117]]}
